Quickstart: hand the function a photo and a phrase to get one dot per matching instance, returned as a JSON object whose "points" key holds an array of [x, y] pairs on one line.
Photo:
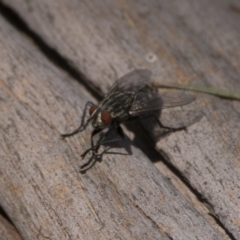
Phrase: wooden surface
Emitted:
{"points": [[194, 193], [7, 231]]}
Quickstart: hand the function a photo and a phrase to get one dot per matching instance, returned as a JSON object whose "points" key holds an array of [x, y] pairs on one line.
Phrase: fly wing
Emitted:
{"points": [[132, 81], [176, 99], [147, 102]]}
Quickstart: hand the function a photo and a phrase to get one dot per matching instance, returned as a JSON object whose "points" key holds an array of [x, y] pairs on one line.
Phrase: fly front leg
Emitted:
{"points": [[106, 138], [92, 148], [91, 162], [82, 125]]}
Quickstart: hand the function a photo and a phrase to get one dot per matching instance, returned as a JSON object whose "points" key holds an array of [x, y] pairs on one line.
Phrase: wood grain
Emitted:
{"points": [[7, 231], [123, 196]]}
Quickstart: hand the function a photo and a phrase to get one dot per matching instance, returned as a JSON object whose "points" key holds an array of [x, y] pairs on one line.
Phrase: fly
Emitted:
{"points": [[130, 97]]}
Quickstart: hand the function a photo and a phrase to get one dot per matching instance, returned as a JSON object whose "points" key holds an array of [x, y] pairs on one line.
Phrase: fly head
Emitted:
{"points": [[101, 118]]}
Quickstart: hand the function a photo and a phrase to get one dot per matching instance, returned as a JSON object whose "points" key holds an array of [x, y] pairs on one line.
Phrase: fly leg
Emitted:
{"points": [[104, 139], [92, 148], [91, 162], [120, 136], [82, 125], [169, 128]]}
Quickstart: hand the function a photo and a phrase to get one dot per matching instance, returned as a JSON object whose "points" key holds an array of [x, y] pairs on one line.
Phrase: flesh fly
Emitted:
{"points": [[130, 97]]}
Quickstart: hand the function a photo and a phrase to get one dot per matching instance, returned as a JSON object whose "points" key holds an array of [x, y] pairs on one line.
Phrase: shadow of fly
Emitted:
{"points": [[131, 96]]}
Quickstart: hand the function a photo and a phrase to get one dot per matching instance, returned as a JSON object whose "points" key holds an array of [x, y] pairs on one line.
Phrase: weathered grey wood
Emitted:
{"points": [[7, 231], [42, 191], [180, 41]]}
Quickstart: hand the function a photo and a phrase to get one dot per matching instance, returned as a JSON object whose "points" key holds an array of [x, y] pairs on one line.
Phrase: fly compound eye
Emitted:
{"points": [[105, 117], [92, 109]]}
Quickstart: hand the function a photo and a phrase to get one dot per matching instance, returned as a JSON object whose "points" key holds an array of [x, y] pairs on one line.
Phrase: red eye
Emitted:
{"points": [[105, 117], [92, 109]]}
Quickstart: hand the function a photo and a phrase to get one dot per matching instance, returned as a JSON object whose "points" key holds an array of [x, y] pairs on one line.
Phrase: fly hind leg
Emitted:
{"points": [[173, 129]]}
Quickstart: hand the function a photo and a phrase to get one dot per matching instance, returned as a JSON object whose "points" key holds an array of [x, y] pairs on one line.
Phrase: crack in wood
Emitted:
{"points": [[52, 54]]}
